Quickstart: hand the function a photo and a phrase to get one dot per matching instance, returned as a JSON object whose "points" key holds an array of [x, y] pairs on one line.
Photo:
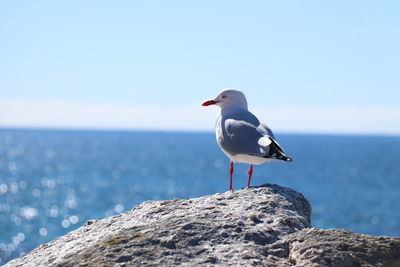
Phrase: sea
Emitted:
{"points": [[53, 181]]}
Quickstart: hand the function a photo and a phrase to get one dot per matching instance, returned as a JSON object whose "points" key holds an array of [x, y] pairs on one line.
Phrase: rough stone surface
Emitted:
{"points": [[336, 247], [265, 226]]}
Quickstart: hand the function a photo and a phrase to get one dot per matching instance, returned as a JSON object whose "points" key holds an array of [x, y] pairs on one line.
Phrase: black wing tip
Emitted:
{"points": [[286, 158], [280, 158], [289, 159], [277, 152]]}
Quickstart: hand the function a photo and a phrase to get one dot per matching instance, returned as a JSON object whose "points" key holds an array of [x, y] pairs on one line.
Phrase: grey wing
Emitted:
{"points": [[240, 137]]}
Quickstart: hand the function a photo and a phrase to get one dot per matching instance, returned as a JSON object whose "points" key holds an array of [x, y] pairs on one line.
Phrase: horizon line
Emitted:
{"points": [[177, 130], [383, 121]]}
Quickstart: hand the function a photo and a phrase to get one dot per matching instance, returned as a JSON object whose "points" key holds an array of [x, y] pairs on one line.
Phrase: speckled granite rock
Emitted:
{"points": [[336, 247], [266, 226]]}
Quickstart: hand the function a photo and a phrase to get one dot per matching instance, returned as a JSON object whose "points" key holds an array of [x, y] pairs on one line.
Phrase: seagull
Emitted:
{"points": [[241, 136]]}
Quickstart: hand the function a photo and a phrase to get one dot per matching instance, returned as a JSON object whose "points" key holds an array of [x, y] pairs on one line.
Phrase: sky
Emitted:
{"points": [[305, 66]]}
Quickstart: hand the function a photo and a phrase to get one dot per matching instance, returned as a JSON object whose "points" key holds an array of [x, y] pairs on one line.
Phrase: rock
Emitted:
{"points": [[315, 247], [266, 225]]}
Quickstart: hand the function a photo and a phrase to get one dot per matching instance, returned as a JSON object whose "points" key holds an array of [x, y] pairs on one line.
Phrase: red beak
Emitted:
{"points": [[209, 102]]}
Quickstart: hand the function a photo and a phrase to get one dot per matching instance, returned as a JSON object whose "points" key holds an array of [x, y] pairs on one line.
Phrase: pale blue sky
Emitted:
{"points": [[165, 54]]}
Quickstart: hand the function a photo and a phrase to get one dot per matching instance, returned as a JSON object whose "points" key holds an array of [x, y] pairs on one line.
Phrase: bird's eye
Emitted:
{"points": [[224, 96]]}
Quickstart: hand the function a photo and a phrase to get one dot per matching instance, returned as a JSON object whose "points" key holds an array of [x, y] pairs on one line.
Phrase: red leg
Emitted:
{"points": [[230, 181], [250, 173]]}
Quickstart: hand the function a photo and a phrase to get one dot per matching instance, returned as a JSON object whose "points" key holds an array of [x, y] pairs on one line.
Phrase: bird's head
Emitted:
{"points": [[229, 98]]}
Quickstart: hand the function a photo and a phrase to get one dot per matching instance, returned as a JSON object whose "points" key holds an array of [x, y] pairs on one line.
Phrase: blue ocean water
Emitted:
{"points": [[52, 181]]}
